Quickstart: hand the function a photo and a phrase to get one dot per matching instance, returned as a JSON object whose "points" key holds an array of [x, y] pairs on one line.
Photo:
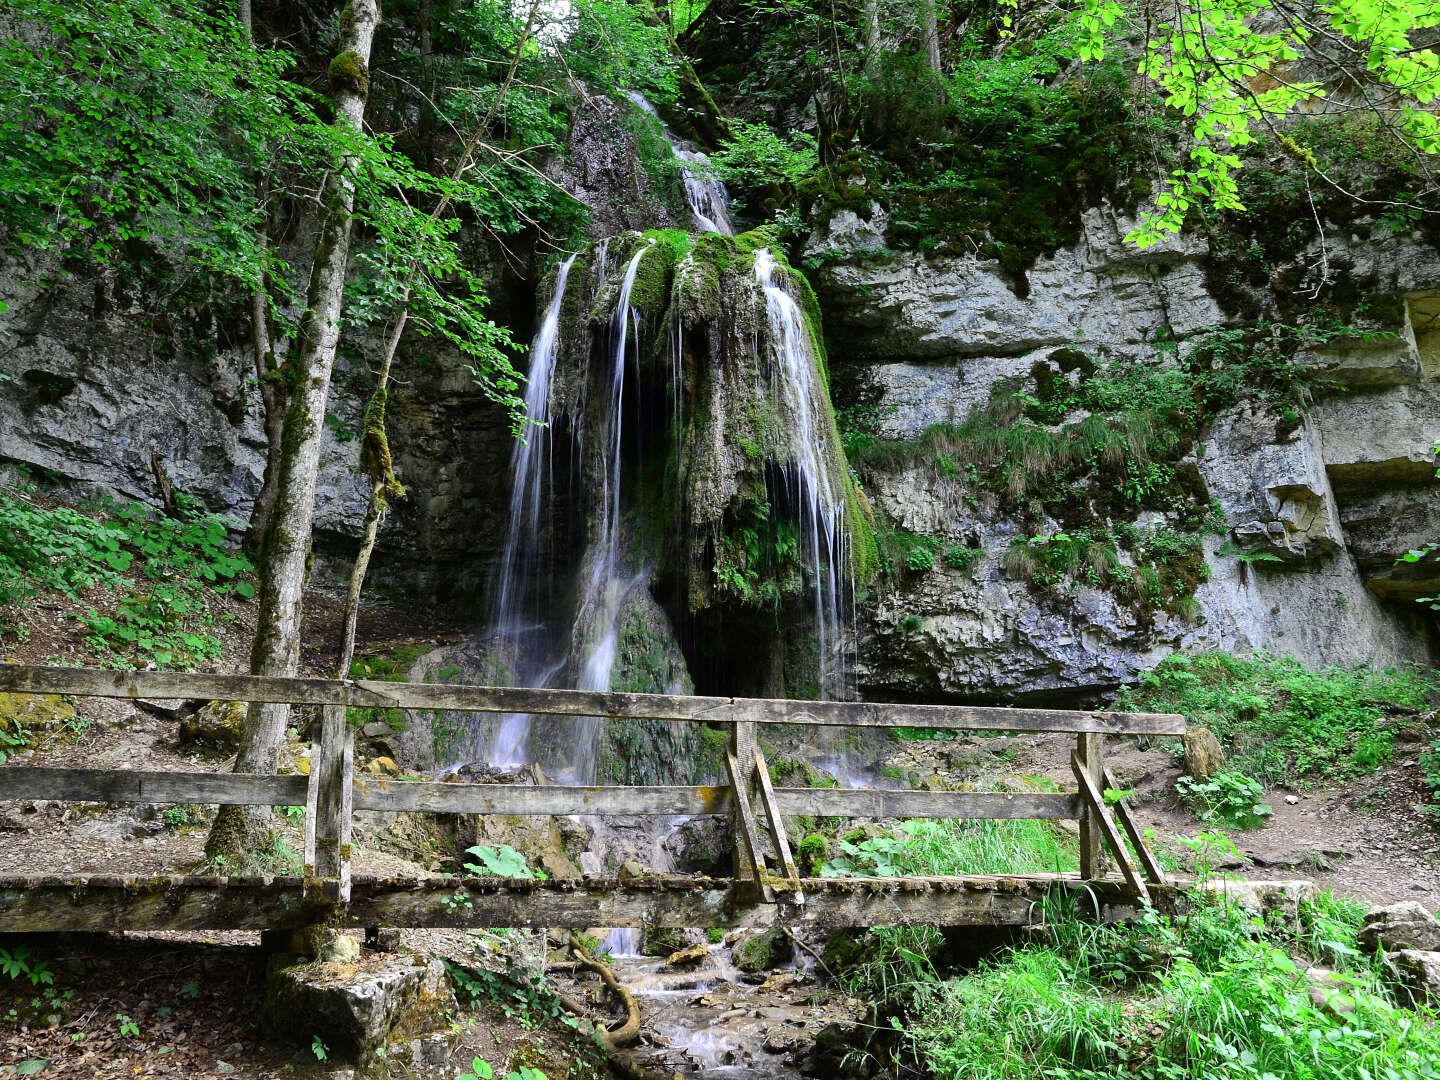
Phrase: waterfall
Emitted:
{"points": [[604, 585], [810, 484], [708, 199], [512, 620]]}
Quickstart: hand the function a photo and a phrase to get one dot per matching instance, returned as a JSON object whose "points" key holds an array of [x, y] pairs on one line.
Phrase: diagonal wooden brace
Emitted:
{"points": [[1153, 870], [1100, 817], [777, 827], [749, 833]]}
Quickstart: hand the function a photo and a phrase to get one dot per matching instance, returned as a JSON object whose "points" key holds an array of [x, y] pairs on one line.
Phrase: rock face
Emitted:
{"points": [[1406, 925], [1316, 506]]}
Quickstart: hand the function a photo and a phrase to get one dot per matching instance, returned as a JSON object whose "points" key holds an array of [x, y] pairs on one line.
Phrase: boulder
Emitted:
{"points": [[1406, 925], [760, 950], [685, 957], [667, 940], [357, 1007], [1419, 971], [215, 728], [1203, 755]]}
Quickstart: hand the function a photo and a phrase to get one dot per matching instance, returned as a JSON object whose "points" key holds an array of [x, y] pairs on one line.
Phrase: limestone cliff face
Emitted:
{"points": [[103, 374], [1316, 506]]}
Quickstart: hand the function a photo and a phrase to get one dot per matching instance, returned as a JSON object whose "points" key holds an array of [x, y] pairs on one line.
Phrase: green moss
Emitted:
{"points": [[657, 160], [349, 72]]}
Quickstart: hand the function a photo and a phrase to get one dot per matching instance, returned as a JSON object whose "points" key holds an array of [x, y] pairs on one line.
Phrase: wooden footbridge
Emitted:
{"points": [[767, 889]]}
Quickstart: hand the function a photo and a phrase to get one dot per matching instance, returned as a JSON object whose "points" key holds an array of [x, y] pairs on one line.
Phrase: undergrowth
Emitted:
{"points": [[1280, 721], [1217, 993], [162, 571]]}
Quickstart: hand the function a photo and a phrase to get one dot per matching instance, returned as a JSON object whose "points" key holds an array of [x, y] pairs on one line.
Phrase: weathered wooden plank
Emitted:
{"points": [[375, 794], [777, 826], [1090, 749], [170, 685], [312, 802], [1102, 821], [884, 803], [98, 785], [330, 802], [1153, 870], [125, 786], [50, 904]]}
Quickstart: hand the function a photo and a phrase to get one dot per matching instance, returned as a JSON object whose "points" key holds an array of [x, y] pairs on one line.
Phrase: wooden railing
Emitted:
{"points": [[332, 791]]}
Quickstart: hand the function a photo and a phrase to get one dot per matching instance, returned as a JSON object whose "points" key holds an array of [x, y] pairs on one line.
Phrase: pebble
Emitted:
{"points": [[1291, 800], [224, 1068], [1419, 886]]}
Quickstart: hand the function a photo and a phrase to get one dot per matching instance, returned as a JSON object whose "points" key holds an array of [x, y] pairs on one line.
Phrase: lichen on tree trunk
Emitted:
{"points": [[285, 546]]}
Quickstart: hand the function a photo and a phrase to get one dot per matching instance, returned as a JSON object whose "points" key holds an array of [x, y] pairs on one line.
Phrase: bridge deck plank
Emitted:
{"points": [[101, 903]]}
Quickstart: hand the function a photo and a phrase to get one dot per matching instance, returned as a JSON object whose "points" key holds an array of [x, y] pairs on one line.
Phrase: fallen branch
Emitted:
{"points": [[818, 958], [627, 1032]]}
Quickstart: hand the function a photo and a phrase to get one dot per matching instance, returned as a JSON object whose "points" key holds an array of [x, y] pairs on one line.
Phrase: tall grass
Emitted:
{"points": [[1214, 995]]}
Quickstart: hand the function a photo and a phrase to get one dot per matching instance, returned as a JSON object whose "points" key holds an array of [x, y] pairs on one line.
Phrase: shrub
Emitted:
{"points": [[1231, 797]]}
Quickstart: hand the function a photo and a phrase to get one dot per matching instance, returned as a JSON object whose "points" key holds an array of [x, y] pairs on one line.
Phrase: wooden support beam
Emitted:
{"points": [[331, 784], [128, 786], [1153, 870], [1101, 821], [35, 904], [777, 826], [171, 685], [1090, 751]]}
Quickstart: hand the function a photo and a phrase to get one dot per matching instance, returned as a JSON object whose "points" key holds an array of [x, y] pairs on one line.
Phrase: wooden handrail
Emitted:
{"points": [[175, 685]]}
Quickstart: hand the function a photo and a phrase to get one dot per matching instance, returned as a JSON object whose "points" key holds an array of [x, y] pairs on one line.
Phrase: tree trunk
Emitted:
{"points": [[285, 551], [930, 34]]}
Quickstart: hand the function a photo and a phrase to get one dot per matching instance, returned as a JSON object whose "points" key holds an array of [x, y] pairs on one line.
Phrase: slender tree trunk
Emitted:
{"points": [[272, 397], [285, 552], [930, 34]]}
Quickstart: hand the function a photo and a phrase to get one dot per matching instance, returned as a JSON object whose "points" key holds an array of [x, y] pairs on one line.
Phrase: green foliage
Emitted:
{"points": [[961, 557], [1214, 994], [163, 571], [181, 817], [1280, 721], [505, 862], [1230, 797], [945, 847], [756, 158], [18, 963], [1199, 52], [319, 1049]]}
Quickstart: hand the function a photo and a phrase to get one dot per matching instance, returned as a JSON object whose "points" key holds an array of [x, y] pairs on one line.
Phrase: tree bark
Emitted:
{"points": [[285, 549]]}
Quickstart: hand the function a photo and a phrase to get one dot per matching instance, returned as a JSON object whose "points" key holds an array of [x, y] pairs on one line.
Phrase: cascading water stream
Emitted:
{"points": [[812, 487], [597, 622], [708, 200], [529, 464]]}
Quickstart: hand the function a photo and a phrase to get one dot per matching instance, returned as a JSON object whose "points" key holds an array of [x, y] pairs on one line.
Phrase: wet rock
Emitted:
{"points": [[685, 957], [1406, 925], [360, 1006], [1203, 755], [783, 1040], [760, 950], [699, 846], [1419, 970], [665, 940], [215, 728]]}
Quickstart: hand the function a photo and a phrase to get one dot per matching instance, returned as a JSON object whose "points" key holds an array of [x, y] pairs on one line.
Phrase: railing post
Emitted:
{"points": [[1090, 748], [740, 757], [329, 802]]}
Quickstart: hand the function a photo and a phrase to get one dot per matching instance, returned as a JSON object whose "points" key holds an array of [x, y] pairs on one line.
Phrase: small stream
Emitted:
{"points": [[710, 1020]]}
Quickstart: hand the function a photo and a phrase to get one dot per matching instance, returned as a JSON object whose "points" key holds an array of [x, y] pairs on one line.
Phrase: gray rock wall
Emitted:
{"points": [[1334, 499]]}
